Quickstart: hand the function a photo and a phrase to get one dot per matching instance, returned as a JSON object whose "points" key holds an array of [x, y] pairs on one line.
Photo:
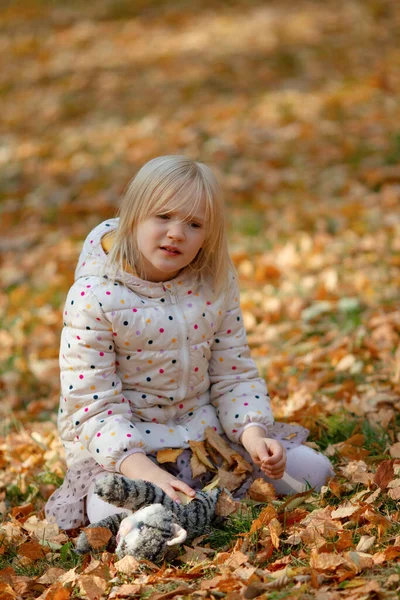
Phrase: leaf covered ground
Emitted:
{"points": [[296, 105]]}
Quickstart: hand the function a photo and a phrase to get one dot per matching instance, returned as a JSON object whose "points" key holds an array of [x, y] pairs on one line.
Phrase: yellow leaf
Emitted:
{"points": [[168, 455]]}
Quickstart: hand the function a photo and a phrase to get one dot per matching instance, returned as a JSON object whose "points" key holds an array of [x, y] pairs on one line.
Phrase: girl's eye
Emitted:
{"points": [[163, 217], [195, 225]]}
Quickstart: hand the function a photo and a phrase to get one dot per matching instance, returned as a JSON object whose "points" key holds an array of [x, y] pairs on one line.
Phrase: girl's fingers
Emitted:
{"points": [[183, 487]]}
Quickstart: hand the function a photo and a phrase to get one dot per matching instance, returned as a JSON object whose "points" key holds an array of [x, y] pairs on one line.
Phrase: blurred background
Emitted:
{"points": [[296, 107]]}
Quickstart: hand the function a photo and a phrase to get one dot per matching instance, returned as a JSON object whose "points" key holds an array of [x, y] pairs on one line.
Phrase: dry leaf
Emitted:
{"points": [[192, 555], [344, 511], [242, 466], [168, 455], [127, 565], [263, 519], [198, 468], [275, 530], [98, 537], [395, 450], [262, 491], [230, 480], [366, 542], [236, 559], [199, 450], [226, 505], [384, 473], [325, 561], [6, 592], [127, 590], [52, 575], [216, 442], [91, 586], [32, 550]]}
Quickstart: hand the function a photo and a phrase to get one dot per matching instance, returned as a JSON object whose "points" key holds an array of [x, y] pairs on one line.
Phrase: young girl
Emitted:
{"points": [[154, 350]]}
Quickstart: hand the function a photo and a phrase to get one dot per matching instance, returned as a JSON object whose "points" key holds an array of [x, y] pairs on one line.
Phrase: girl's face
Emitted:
{"points": [[169, 241]]}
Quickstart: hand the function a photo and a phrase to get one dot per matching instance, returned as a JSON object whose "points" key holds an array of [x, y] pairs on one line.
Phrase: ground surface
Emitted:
{"points": [[296, 105]]}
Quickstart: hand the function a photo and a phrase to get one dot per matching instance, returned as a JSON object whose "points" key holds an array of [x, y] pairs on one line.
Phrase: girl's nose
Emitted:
{"points": [[176, 231]]}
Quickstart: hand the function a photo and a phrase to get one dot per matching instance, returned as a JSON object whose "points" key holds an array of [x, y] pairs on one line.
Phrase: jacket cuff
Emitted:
{"points": [[242, 429]]}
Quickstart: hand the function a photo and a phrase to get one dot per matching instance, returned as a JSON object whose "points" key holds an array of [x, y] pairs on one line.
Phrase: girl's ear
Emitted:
{"points": [[180, 535]]}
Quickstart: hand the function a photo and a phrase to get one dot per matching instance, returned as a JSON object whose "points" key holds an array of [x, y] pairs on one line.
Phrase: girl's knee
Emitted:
{"points": [[308, 466]]}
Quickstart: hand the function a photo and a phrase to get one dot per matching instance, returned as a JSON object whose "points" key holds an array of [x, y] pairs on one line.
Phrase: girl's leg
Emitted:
{"points": [[96, 508], [306, 466]]}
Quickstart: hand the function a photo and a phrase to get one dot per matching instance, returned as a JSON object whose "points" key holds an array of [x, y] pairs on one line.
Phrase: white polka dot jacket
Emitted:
{"points": [[146, 366]]}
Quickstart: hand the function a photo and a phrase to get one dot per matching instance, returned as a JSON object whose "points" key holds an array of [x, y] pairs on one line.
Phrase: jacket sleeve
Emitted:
{"points": [[238, 393], [93, 411]]}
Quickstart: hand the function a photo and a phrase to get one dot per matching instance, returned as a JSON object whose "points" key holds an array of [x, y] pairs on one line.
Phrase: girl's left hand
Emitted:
{"points": [[269, 454]]}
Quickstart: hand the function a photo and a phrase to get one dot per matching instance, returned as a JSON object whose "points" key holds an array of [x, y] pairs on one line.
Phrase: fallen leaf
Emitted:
{"points": [[92, 587], [344, 511], [365, 543], [98, 537], [263, 519], [218, 444], [127, 590], [6, 592], [127, 565], [198, 468], [325, 561], [236, 559], [230, 480], [192, 555], [275, 530], [262, 491], [395, 450], [168, 455], [226, 505], [199, 450], [32, 550]]}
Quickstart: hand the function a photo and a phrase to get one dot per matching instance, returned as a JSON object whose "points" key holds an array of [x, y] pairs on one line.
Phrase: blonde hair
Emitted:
{"points": [[169, 183]]}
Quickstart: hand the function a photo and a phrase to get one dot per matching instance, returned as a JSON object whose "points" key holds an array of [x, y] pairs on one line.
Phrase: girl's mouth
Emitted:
{"points": [[171, 250]]}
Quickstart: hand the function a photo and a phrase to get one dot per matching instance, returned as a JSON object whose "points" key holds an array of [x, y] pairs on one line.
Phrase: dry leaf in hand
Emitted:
{"points": [[168, 455], [98, 537], [262, 491]]}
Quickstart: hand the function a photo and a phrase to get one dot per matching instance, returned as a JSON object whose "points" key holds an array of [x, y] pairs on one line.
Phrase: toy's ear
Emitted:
{"points": [[180, 535], [125, 527]]}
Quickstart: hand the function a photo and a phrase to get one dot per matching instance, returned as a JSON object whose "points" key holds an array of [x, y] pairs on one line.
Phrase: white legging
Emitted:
{"points": [[306, 466]]}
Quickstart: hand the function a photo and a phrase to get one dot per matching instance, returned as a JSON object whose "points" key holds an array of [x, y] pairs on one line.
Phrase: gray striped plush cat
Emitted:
{"points": [[158, 522]]}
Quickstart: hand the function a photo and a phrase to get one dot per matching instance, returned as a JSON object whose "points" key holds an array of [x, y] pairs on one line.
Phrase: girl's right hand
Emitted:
{"points": [[139, 466]]}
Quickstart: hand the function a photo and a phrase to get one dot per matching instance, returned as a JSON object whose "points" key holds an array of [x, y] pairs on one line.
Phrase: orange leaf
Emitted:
{"points": [[384, 474], [168, 455], [32, 550], [263, 519], [98, 537], [262, 491], [275, 530], [58, 592]]}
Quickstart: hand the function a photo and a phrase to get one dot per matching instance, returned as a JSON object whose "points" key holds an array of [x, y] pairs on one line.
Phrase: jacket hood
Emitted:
{"points": [[93, 263]]}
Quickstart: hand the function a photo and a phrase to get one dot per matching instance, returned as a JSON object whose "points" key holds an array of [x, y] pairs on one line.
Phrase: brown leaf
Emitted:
{"points": [[229, 480], [236, 559], [395, 450], [198, 468], [275, 530], [325, 561], [219, 444], [199, 449], [127, 590], [98, 537], [92, 586], [56, 592], [32, 550], [127, 565], [384, 473], [262, 491], [226, 505], [179, 591], [263, 519], [6, 592], [242, 466], [51, 575], [192, 555], [168, 455]]}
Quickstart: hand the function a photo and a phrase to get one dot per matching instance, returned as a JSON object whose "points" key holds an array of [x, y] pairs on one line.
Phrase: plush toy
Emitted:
{"points": [[158, 523]]}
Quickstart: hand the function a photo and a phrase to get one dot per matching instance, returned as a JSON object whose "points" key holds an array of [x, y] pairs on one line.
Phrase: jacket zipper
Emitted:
{"points": [[184, 335]]}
